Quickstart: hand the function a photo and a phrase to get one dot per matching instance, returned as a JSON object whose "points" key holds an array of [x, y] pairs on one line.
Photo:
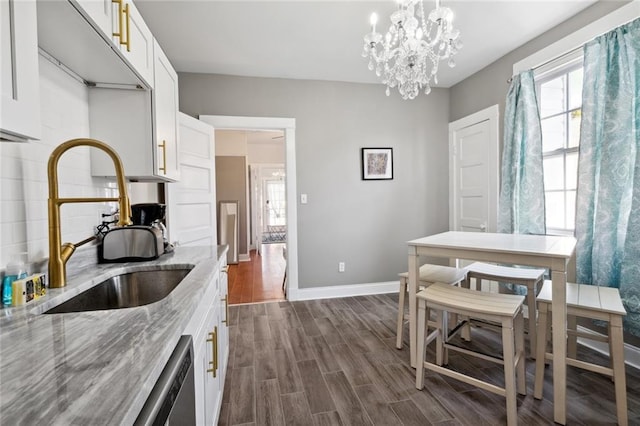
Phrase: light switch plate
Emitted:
{"points": [[303, 198]]}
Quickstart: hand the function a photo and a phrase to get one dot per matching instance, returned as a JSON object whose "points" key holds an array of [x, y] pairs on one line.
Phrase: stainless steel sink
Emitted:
{"points": [[124, 291]]}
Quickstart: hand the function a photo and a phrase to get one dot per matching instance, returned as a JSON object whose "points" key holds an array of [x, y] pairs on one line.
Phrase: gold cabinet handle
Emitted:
{"points": [[120, 20], [128, 25], [215, 351], [214, 348], [226, 310], [163, 145]]}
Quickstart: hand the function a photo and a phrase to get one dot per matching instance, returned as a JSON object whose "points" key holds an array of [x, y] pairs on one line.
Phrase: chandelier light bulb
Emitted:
{"points": [[373, 20], [407, 55]]}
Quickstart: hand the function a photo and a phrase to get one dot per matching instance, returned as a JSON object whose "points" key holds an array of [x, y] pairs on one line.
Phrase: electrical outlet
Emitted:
{"points": [[340, 266]]}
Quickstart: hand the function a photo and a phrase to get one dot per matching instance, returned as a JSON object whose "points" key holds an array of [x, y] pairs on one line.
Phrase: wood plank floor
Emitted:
{"points": [[334, 362], [260, 279]]}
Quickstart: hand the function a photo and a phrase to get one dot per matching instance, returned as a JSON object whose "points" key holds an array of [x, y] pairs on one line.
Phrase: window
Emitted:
{"points": [[275, 203], [560, 98]]}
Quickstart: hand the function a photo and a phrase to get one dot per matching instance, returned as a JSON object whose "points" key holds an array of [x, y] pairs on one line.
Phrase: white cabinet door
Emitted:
{"points": [[141, 125], [165, 101], [209, 372], [213, 383], [19, 76], [78, 34], [122, 119], [207, 380], [134, 38], [191, 211], [98, 11], [224, 320]]}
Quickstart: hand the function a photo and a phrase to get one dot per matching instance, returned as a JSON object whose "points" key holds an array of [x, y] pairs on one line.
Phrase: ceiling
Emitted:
{"points": [[322, 40]]}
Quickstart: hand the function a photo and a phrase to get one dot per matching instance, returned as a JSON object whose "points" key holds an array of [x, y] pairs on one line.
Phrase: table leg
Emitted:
{"points": [[414, 272], [559, 309]]}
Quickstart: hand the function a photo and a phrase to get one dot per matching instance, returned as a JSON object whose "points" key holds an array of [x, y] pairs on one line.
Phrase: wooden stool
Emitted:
{"points": [[429, 274], [505, 309], [586, 301], [519, 276]]}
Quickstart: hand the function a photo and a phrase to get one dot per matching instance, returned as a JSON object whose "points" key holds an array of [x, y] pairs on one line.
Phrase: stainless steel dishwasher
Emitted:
{"points": [[172, 400]]}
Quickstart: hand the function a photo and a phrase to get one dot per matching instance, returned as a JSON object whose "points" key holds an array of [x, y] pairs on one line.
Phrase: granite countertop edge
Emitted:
{"points": [[96, 367]]}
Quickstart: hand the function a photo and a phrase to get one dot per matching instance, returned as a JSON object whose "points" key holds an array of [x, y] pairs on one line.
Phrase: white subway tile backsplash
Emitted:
{"points": [[10, 189], [20, 232], [23, 173], [14, 211]]}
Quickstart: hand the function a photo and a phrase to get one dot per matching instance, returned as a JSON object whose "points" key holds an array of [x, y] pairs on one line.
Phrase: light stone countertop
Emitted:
{"points": [[95, 367]]}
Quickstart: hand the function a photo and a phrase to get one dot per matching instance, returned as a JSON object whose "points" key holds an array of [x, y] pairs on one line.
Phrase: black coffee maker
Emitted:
{"points": [[151, 214]]}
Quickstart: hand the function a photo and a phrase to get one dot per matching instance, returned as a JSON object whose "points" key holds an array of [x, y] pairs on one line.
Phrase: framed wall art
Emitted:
{"points": [[377, 163]]}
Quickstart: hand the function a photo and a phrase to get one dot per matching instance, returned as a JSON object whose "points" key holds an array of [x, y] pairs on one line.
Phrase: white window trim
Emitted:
{"points": [[574, 41], [553, 69]]}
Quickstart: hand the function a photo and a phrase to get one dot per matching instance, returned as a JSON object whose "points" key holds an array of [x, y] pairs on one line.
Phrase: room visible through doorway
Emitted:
{"points": [[288, 137], [261, 189]]}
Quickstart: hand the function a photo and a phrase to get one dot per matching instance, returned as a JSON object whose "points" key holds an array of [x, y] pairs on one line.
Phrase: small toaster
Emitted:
{"points": [[131, 244]]}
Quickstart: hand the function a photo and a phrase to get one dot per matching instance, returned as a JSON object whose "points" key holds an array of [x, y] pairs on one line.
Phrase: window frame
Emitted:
{"points": [[570, 64]]}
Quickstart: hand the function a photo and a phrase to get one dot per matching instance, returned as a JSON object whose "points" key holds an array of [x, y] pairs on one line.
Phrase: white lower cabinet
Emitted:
{"points": [[207, 372], [224, 318], [210, 344]]}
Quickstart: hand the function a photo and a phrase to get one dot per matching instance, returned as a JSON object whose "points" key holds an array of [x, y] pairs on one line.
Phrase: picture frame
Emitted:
{"points": [[376, 163]]}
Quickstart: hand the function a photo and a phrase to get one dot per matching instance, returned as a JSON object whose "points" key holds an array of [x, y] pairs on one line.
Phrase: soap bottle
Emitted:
{"points": [[15, 271]]}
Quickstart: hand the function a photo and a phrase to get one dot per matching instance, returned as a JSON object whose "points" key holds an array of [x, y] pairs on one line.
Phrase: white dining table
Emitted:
{"points": [[550, 252]]}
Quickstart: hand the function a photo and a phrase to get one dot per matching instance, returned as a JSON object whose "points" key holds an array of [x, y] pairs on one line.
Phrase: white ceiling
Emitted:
{"points": [[322, 40]]}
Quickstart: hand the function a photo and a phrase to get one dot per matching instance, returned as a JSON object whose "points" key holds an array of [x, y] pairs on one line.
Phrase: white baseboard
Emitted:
{"points": [[331, 292], [244, 258], [631, 353]]}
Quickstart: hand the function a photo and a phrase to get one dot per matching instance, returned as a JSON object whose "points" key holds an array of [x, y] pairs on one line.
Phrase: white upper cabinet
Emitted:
{"points": [[19, 78], [134, 38], [79, 36], [141, 125], [165, 102], [133, 96], [98, 11]]}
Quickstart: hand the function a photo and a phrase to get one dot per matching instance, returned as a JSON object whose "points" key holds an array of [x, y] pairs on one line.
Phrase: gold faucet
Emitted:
{"points": [[60, 254]]}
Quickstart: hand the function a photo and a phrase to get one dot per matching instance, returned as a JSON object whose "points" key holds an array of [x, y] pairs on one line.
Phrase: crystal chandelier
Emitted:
{"points": [[409, 53]]}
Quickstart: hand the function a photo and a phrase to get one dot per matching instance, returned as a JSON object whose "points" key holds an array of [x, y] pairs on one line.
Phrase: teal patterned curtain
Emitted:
{"points": [[521, 208], [608, 199]]}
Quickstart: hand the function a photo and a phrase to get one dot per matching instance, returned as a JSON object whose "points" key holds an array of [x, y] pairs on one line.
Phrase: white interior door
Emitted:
{"points": [[473, 180], [191, 212]]}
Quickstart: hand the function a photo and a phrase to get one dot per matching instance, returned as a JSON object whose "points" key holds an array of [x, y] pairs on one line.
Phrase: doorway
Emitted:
{"points": [[289, 211]]}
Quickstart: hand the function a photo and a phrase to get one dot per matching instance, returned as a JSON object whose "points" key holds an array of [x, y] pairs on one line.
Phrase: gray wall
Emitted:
{"points": [[489, 86], [363, 223], [231, 185]]}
